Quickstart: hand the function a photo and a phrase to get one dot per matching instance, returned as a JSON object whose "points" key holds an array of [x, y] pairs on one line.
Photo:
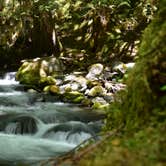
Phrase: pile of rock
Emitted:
{"points": [[95, 88]]}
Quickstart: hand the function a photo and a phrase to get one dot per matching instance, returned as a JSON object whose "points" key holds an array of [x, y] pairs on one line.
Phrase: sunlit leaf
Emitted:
{"points": [[90, 22], [83, 24], [79, 38], [118, 30], [122, 4], [92, 42], [163, 88], [76, 27], [87, 37], [78, 3]]}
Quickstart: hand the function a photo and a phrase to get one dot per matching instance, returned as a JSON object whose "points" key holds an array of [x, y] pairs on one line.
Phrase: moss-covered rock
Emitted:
{"points": [[53, 89], [99, 103], [48, 80], [28, 73], [39, 71], [97, 91], [73, 96]]}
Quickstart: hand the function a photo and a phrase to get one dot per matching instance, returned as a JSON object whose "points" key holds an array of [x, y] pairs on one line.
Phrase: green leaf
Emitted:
{"points": [[163, 88], [122, 4]]}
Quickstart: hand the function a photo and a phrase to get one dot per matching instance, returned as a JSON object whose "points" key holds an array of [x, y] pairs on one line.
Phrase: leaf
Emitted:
{"points": [[163, 88], [92, 42], [78, 38], [90, 21], [123, 4], [83, 24], [76, 27], [87, 37]]}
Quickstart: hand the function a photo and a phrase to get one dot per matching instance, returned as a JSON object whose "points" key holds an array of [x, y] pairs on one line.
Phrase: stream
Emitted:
{"points": [[35, 127]]}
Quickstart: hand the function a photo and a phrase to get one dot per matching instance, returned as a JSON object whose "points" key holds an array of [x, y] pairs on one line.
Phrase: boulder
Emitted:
{"points": [[99, 102], [73, 96], [54, 89], [39, 71], [97, 91], [121, 67], [94, 71]]}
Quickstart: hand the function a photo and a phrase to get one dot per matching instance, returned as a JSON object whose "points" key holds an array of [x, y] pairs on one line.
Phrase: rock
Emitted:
{"points": [[99, 102], [47, 81], [97, 91], [74, 83], [46, 88], [78, 99], [69, 87], [31, 91], [95, 71], [54, 89], [59, 82], [94, 83], [108, 74], [83, 82], [28, 73], [108, 85], [122, 67], [73, 96], [75, 86], [39, 70], [118, 87], [109, 97], [69, 78], [86, 102]]}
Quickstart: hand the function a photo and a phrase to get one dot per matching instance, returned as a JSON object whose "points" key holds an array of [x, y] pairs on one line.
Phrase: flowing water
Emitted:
{"points": [[35, 127]]}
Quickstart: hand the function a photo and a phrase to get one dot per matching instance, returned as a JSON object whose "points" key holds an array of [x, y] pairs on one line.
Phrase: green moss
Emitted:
{"points": [[97, 91], [144, 147], [47, 81], [78, 99], [144, 82], [73, 96], [28, 74]]}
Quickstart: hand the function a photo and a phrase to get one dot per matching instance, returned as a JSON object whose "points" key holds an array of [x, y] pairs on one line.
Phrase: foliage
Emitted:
{"points": [[77, 31]]}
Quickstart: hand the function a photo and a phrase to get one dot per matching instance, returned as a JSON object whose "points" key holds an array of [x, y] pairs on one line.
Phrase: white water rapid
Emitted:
{"points": [[35, 127]]}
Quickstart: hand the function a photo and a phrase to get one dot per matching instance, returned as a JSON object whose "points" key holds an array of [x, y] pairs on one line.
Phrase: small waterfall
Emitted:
{"points": [[11, 128], [8, 79], [22, 125], [35, 127]]}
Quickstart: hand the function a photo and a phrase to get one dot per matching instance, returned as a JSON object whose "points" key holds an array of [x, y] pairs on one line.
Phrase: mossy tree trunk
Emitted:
{"points": [[145, 97]]}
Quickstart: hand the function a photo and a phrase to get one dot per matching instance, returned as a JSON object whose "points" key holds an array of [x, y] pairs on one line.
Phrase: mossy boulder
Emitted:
{"points": [[48, 80], [99, 103], [28, 73], [53, 89], [74, 97], [39, 71], [97, 91]]}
